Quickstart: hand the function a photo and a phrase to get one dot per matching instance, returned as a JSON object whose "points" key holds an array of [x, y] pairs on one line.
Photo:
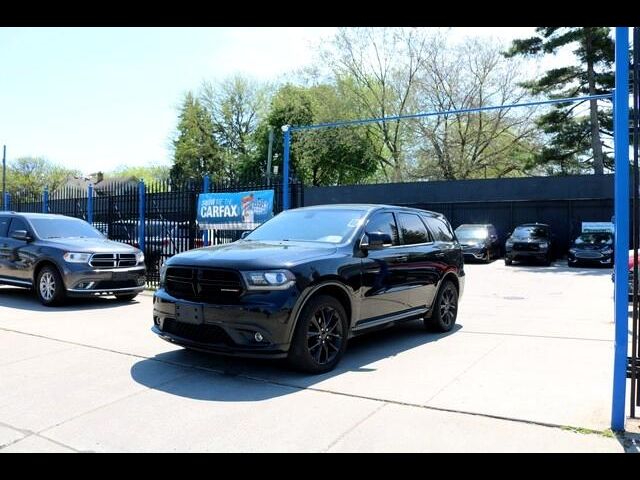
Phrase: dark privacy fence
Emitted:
{"points": [[562, 202], [166, 210]]}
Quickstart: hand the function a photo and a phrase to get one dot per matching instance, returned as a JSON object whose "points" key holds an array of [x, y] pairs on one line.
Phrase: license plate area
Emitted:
{"points": [[186, 313], [119, 276]]}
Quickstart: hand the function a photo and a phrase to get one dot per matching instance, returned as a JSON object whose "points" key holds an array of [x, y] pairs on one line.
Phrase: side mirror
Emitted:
{"points": [[494, 237], [376, 241], [21, 235], [245, 234]]}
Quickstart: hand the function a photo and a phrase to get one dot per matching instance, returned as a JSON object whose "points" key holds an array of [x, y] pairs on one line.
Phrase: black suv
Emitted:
{"points": [[530, 241], [304, 282], [478, 241], [61, 256]]}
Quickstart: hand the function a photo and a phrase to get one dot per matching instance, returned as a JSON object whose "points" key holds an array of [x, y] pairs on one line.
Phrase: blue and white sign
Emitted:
{"points": [[597, 227], [234, 211]]}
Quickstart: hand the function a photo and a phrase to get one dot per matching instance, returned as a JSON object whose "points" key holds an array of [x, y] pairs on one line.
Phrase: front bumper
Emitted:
{"points": [[475, 253], [512, 254], [590, 258], [229, 329], [82, 280]]}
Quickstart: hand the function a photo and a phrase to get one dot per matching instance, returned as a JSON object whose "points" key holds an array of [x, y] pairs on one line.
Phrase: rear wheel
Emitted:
{"points": [[445, 309], [49, 286], [320, 338]]}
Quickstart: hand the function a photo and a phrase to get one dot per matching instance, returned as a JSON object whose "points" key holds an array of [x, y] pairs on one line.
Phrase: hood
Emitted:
{"points": [[253, 255], [90, 245], [590, 246]]}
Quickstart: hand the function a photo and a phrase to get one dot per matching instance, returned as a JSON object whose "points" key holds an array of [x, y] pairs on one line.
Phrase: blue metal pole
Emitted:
{"points": [[621, 211], [90, 204], [45, 200], [206, 186], [285, 167], [7, 201], [141, 209]]}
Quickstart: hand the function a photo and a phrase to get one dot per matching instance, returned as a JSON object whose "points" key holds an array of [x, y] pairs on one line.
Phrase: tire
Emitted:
{"points": [[547, 261], [49, 287], [324, 318], [445, 309], [488, 259], [126, 297], [507, 261]]}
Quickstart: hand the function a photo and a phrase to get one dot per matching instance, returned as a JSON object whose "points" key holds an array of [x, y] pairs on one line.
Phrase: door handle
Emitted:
{"points": [[440, 254], [403, 258]]}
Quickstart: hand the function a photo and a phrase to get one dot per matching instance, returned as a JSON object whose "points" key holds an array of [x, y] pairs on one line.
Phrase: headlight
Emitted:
{"points": [[139, 257], [544, 244], [163, 273], [607, 251], [269, 280], [74, 257], [572, 250], [509, 243]]}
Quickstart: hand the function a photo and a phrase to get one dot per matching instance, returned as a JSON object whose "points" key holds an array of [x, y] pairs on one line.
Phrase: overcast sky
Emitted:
{"points": [[96, 98]]}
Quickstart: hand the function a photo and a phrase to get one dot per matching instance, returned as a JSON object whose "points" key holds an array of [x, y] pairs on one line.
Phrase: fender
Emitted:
{"points": [[295, 312]]}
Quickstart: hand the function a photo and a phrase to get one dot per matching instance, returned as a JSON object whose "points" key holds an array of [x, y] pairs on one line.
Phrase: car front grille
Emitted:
{"points": [[208, 285], [198, 333], [526, 247], [113, 260], [588, 254]]}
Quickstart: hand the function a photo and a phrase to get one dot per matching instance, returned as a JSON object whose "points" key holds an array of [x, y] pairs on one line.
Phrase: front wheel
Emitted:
{"points": [[320, 338], [49, 286], [507, 261], [445, 309]]}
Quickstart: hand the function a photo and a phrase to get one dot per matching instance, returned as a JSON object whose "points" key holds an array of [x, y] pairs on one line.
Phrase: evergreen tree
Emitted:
{"points": [[196, 152], [575, 141]]}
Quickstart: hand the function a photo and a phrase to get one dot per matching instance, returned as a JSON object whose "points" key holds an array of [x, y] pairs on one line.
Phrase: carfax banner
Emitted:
{"points": [[234, 211]]}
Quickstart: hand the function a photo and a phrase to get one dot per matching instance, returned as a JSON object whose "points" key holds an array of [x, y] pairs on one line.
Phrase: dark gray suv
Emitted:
{"points": [[61, 256]]}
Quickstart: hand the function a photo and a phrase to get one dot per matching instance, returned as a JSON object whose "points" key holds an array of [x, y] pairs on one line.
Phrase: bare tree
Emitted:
{"points": [[464, 145], [380, 68], [236, 105]]}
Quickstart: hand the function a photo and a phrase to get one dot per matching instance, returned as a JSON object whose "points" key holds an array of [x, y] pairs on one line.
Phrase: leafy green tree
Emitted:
{"points": [[32, 174], [196, 153], [319, 157], [576, 141]]}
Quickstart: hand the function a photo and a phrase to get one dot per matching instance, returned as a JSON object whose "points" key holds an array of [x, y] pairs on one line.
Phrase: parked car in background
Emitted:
{"points": [[530, 241], [303, 283], [63, 257], [591, 248], [478, 241]]}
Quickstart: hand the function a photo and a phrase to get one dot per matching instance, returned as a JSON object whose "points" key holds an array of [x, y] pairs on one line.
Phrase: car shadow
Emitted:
{"points": [[220, 378], [24, 299]]}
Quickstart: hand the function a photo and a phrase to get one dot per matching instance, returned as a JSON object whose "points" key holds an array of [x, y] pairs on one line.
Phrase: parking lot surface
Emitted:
{"points": [[527, 368]]}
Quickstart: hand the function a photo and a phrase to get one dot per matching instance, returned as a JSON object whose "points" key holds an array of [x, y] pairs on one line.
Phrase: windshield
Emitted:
{"points": [[595, 239], [64, 228], [471, 233], [531, 232], [314, 225]]}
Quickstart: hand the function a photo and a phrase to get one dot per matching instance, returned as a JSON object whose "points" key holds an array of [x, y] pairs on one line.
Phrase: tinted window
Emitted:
{"points": [[310, 225], [17, 224], [385, 223], [531, 231], [440, 230], [595, 238], [63, 228], [466, 233], [413, 230], [4, 226]]}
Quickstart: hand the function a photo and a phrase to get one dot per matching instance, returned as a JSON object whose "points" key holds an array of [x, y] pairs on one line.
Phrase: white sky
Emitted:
{"points": [[96, 98]]}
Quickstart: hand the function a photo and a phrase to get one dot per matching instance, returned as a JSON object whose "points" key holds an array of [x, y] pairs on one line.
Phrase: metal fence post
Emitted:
{"points": [[206, 185], [90, 204], [45, 200], [7, 201], [285, 167], [141, 211], [621, 213]]}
